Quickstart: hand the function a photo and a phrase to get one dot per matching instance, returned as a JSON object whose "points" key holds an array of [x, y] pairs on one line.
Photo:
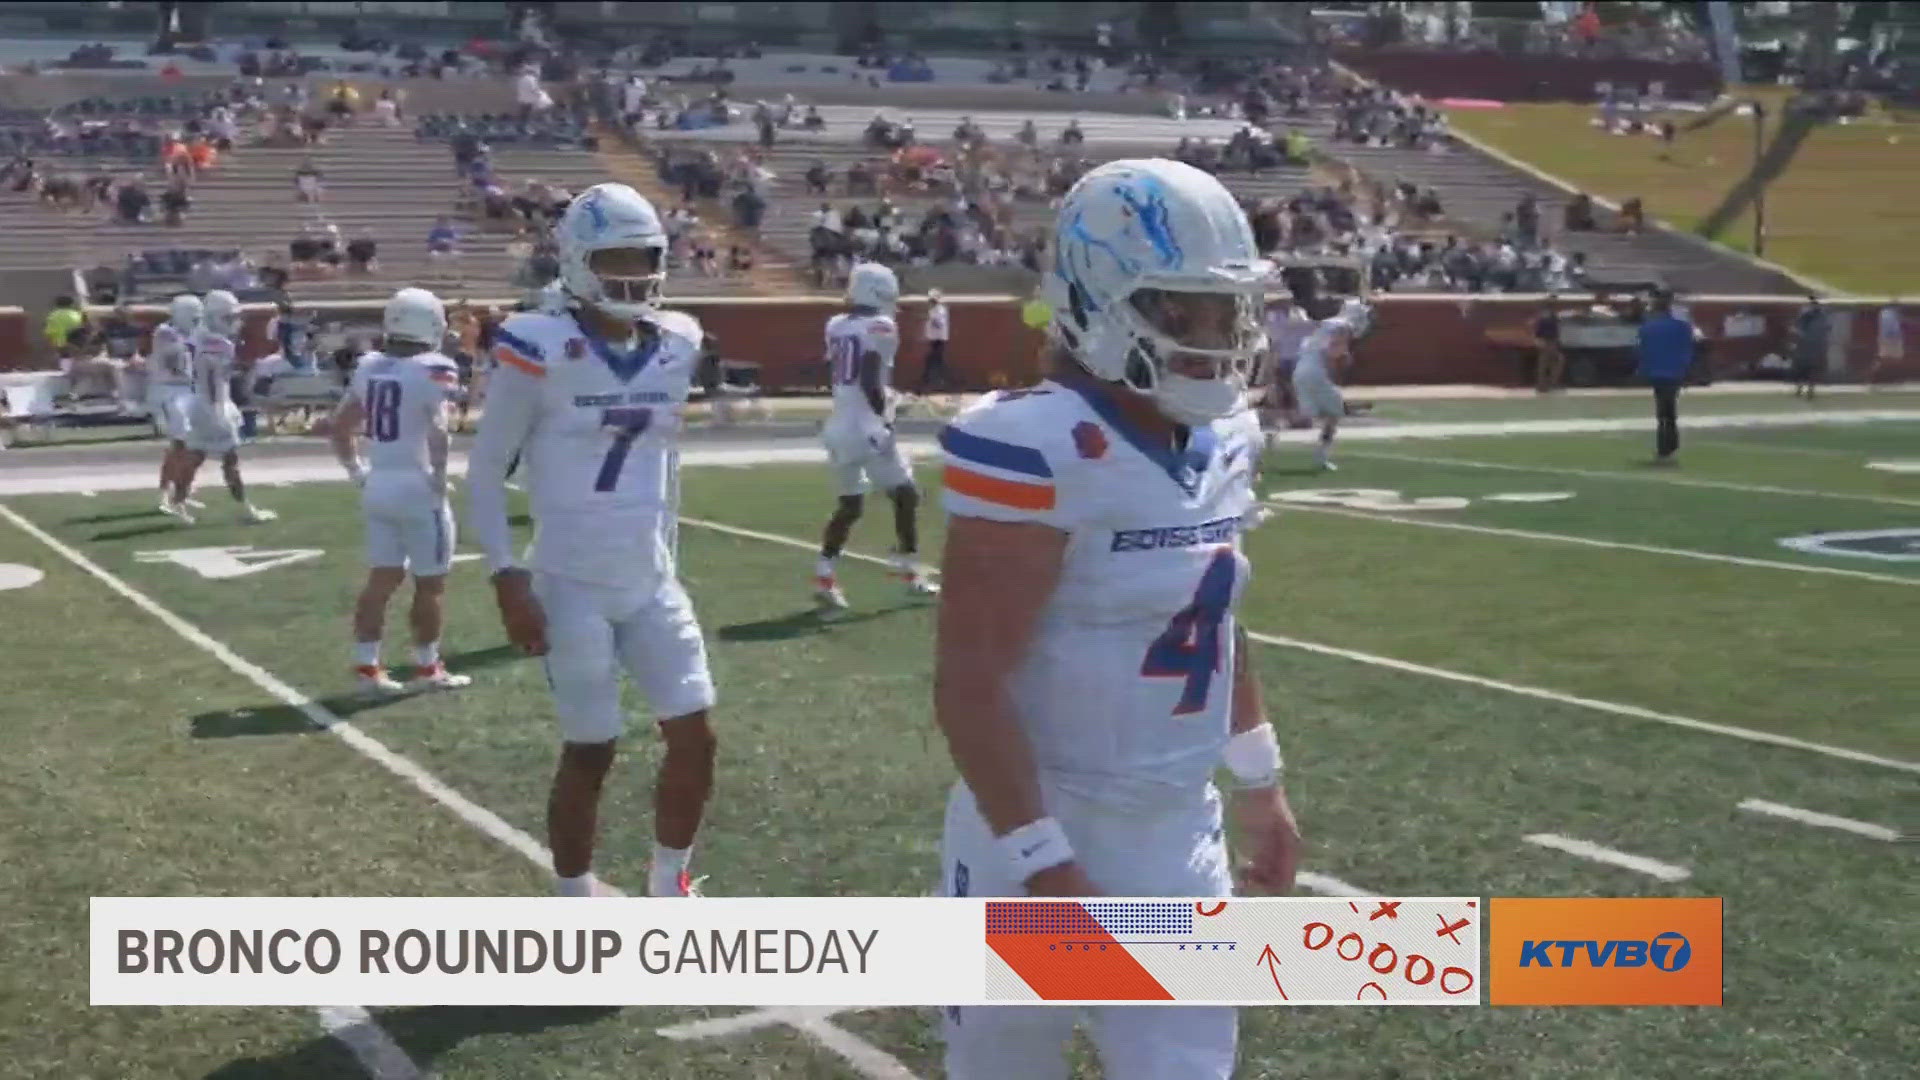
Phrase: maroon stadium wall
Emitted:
{"points": [[1416, 339]]}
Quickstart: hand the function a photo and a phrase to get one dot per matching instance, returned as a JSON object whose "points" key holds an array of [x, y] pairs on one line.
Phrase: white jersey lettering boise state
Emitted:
{"points": [[850, 337], [1127, 691], [170, 362], [598, 446], [401, 397]]}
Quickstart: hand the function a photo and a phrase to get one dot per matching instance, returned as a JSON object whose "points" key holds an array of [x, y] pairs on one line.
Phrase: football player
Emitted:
{"points": [[1090, 673], [861, 343], [399, 400], [213, 421], [170, 391], [1324, 355], [588, 395]]}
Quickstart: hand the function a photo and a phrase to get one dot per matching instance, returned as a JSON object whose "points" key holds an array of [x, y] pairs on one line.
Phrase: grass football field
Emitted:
{"points": [[1466, 642]]}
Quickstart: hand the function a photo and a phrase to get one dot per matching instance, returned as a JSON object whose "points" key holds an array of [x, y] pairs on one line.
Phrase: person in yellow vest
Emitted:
{"points": [[61, 322]]}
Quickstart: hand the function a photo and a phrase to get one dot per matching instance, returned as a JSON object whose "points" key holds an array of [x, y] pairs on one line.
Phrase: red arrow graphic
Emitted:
{"points": [[1273, 964]]}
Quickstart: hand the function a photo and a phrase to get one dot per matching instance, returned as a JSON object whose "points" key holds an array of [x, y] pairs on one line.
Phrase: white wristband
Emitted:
{"points": [[1253, 756], [1038, 845]]}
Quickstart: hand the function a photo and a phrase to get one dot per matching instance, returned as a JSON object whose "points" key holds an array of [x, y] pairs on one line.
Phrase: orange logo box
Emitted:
{"points": [[1656, 951]]}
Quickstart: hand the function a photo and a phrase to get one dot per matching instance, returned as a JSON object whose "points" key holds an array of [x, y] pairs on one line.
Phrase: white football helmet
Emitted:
{"points": [[609, 217], [184, 313], [416, 315], [221, 313], [872, 285], [1357, 315], [1156, 283]]}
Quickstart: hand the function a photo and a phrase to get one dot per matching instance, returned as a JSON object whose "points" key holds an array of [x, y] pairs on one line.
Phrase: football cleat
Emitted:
{"points": [[686, 885], [192, 503], [919, 582], [177, 510], [437, 677], [253, 515], [826, 593], [373, 679]]}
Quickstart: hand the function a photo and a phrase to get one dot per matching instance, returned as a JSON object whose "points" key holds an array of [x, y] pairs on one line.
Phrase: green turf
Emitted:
{"points": [[1839, 213], [832, 780]]}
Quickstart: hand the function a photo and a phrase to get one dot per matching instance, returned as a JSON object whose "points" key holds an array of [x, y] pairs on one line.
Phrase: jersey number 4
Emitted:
{"points": [[1189, 648], [626, 425], [383, 410]]}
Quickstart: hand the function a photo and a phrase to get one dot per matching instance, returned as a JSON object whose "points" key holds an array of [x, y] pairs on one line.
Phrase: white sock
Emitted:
{"points": [[427, 655], [824, 567], [574, 886], [668, 865], [366, 654]]}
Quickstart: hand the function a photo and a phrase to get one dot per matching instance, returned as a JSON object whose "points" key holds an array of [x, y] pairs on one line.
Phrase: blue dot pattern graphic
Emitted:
{"points": [[1113, 917]]}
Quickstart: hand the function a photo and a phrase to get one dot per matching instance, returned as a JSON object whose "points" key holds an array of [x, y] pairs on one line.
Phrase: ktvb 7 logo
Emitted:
{"points": [[1668, 951], [1604, 951]]}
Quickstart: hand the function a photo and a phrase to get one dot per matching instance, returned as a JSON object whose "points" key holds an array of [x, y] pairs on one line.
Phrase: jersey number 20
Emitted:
{"points": [[383, 410], [1189, 648], [843, 353]]}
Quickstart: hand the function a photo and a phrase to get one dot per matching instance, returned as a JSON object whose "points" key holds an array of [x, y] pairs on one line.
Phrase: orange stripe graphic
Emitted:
{"points": [[508, 356], [1092, 967], [995, 490]]}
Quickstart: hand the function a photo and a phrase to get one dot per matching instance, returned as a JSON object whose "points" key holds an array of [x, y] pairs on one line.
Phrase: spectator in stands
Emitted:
{"points": [[61, 322], [90, 372], [175, 201], [1633, 215], [386, 109], [739, 259], [817, 177], [1579, 214], [748, 208], [121, 332], [813, 121], [342, 102], [1071, 135], [443, 239], [307, 182], [363, 253]]}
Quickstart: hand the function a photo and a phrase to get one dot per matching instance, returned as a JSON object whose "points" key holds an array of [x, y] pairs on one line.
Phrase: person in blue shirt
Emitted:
{"points": [[1665, 355]]}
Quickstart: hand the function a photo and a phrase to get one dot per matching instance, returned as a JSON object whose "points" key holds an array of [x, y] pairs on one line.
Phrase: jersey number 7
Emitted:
{"points": [[626, 425], [1189, 648]]}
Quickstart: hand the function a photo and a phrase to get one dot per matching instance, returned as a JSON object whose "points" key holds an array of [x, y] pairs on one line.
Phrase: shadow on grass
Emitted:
{"points": [[284, 719], [425, 1034], [166, 526], [801, 623], [118, 515]]}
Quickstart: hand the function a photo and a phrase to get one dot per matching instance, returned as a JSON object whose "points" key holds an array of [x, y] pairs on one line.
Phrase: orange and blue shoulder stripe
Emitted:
{"points": [[511, 348], [993, 471]]}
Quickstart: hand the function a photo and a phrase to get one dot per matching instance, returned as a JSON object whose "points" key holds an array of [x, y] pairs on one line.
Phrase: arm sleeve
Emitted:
{"points": [[513, 400], [994, 470]]}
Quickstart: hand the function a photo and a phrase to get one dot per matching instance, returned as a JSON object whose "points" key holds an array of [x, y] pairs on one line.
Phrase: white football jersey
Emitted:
{"points": [[1313, 351], [595, 425], [402, 398], [850, 338], [170, 362], [1127, 691], [1287, 331], [213, 364]]}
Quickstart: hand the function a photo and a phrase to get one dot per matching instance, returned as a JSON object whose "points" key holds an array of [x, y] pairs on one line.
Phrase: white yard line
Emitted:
{"points": [[1820, 820], [1588, 850], [1615, 708], [400, 765], [1587, 541], [1648, 477], [1327, 886]]}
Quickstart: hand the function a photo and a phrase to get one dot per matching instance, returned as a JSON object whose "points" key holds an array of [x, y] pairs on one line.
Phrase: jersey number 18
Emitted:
{"points": [[1189, 648], [383, 410]]}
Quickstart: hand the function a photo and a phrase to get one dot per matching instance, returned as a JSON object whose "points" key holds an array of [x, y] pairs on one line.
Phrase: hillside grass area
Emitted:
{"points": [[1844, 212]]}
